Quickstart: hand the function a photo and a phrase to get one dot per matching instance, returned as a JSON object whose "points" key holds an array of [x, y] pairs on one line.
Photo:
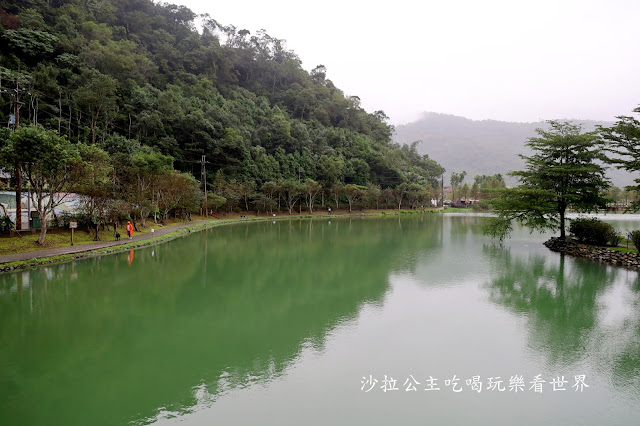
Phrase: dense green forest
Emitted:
{"points": [[126, 73]]}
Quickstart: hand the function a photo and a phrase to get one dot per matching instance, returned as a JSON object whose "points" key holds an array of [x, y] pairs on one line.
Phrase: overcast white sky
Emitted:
{"points": [[506, 60]]}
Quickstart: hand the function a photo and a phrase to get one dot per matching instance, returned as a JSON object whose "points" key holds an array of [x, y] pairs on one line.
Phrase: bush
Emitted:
{"points": [[593, 231], [6, 224], [482, 206], [635, 237], [614, 239]]}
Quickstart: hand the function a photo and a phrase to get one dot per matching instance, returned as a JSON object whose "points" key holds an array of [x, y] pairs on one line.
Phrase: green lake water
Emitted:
{"points": [[300, 322]]}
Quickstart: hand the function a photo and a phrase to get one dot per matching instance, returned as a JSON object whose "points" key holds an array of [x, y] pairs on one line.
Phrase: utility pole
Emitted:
{"points": [[442, 191], [16, 111], [203, 177], [300, 203]]}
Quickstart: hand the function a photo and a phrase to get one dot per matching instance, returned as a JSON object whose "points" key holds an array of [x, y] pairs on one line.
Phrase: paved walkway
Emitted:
{"points": [[91, 246]]}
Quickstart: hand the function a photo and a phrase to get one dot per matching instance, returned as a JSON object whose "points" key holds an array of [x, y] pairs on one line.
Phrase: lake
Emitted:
{"points": [[413, 319]]}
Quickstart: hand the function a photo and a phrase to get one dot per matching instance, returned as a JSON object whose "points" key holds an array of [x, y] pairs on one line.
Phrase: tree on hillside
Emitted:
{"points": [[173, 189], [373, 195], [312, 188], [291, 191], [336, 192], [353, 194], [246, 191], [562, 173], [388, 195], [623, 140], [271, 200], [92, 182], [215, 201], [417, 195], [48, 161], [399, 193], [484, 186], [146, 168]]}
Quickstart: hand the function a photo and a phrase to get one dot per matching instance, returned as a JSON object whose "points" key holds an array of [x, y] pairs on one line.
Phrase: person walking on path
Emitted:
{"points": [[129, 229]]}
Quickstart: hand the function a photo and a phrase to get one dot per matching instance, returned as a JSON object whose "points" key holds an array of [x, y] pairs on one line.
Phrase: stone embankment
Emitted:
{"points": [[599, 254]]}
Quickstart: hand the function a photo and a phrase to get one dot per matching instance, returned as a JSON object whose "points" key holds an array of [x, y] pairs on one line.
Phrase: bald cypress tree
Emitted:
{"points": [[563, 173]]}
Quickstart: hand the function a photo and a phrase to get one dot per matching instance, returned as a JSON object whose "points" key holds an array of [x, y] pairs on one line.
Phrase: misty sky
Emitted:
{"points": [[505, 60]]}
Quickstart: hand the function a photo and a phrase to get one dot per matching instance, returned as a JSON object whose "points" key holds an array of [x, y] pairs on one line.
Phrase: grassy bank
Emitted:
{"points": [[39, 261], [61, 237], [457, 210]]}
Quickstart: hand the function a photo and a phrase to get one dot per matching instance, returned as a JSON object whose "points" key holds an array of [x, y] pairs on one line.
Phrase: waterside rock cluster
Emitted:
{"points": [[600, 254]]}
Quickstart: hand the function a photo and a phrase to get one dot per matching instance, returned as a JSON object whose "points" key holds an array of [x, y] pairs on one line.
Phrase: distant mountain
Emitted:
{"points": [[481, 147]]}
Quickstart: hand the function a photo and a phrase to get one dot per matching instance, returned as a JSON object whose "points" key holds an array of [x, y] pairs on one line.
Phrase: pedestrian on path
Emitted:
{"points": [[129, 229]]}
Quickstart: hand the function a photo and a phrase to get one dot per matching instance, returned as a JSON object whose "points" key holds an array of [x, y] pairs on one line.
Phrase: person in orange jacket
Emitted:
{"points": [[129, 229]]}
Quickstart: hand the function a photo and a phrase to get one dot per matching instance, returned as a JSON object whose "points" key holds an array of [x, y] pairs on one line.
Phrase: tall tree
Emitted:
{"points": [[416, 195], [456, 180], [48, 162], [91, 181], [399, 193], [312, 188], [353, 194], [623, 140], [564, 172], [291, 191], [373, 195], [483, 185], [173, 188], [246, 191], [336, 192]]}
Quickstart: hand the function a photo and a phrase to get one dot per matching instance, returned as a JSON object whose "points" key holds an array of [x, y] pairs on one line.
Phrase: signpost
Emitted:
{"points": [[73, 225]]}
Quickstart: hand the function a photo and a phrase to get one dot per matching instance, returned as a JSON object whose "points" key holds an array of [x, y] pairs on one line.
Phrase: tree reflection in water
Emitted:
{"points": [[569, 304]]}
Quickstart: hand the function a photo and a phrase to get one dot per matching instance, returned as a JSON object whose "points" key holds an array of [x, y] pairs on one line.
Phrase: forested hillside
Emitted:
{"points": [[106, 72], [481, 147]]}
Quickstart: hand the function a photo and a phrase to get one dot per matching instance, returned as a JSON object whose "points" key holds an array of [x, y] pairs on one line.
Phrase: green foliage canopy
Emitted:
{"points": [[623, 141], [564, 172]]}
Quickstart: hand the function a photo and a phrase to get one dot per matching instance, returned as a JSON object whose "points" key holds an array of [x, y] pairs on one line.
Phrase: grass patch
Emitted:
{"points": [[624, 249], [61, 237], [35, 262], [456, 210]]}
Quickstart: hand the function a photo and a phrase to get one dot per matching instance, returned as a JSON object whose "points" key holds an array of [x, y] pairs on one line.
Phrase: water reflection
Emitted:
{"points": [[126, 340], [577, 311]]}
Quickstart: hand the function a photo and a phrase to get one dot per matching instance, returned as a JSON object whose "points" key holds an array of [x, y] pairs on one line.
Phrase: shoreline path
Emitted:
{"points": [[56, 251]]}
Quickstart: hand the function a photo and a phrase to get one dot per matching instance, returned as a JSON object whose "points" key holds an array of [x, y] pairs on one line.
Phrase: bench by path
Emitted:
{"points": [[79, 248]]}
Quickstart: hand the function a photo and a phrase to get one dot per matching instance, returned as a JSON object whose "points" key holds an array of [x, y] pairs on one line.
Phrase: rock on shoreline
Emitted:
{"points": [[599, 254]]}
